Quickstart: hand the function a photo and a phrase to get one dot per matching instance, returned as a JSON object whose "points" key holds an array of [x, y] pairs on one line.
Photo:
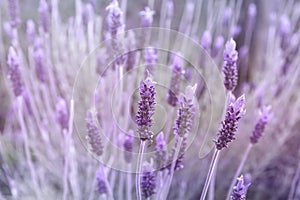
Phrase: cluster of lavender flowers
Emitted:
{"points": [[76, 124]]}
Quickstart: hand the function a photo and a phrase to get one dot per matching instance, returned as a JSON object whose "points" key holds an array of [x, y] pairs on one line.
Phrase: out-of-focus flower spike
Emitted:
{"points": [[13, 9], [265, 116], [8, 30], [150, 57], [44, 15], [147, 17], [93, 136], [252, 10], [240, 190], [170, 9], [30, 30], [235, 110], [206, 40], [177, 72], [227, 16], [218, 45], [27, 102], [229, 69], [148, 182], [14, 73], [39, 60], [101, 185], [62, 115], [128, 147], [160, 151], [115, 18]]}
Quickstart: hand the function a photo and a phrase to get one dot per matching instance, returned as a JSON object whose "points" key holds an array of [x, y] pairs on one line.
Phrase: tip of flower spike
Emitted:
{"points": [[265, 113], [230, 45], [12, 55], [252, 11], [147, 12], [160, 138], [190, 91], [113, 5], [239, 104]]}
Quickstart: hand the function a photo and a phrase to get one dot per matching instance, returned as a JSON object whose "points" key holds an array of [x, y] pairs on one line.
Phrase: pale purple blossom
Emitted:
{"points": [[14, 73], [147, 17]]}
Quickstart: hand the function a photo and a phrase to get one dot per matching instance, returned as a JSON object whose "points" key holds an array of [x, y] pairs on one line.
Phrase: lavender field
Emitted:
{"points": [[150, 99]]}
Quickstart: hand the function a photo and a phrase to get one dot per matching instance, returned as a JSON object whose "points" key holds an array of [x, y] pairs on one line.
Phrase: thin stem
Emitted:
{"points": [[66, 165], [129, 182], [174, 160], [294, 183], [27, 149], [139, 170], [239, 170], [210, 172], [211, 192]]}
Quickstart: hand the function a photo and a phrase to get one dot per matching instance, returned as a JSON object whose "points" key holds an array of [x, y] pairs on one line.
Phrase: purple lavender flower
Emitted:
{"points": [[14, 73], [62, 116], [285, 31], [235, 110], [148, 183], [114, 18], [230, 65], [147, 17], [101, 185], [93, 136], [39, 59], [30, 30], [44, 15], [206, 40], [227, 16], [174, 89], [160, 151], [218, 44], [240, 190], [170, 9], [13, 8], [150, 57], [265, 116], [183, 125], [128, 147], [146, 109]]}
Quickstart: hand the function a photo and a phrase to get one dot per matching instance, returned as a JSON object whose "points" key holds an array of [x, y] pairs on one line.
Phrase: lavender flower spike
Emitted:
{"points": [[240, 190], [147, 17], [128, 147], [39, 59], [174, 89], [150, 57], [62, 116], [230, 65], [235, 110], [115, 18], [14, 73], [265, 116], [146, 109], [160, 151], [93, 137], [148, 183], [101, 185], [44, 15], [13, 8]]}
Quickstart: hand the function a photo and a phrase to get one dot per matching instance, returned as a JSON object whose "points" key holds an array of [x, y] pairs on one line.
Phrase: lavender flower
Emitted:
{"points": [[101, 185], [93, 137], [147, 17], [174, 89], [128, 147], [227, 16], [39, 59], [146, 109], [30, 30], [13, 8], [160, 151], [170, 9], [148, 183], [285, 31], [218, 44], [14, 73], [183, 125], [44, 15], [240, 190], [265, 116], [206, 40], [114, 18], [62, 116], [151, 59], [230, 65], [235, 110]]}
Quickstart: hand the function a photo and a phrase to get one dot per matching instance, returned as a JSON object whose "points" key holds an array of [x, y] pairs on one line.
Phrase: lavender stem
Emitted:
{"points": [[129, 182], [27, 150], [210, 173], [139, 170], [238, 171], [294, 183]]}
